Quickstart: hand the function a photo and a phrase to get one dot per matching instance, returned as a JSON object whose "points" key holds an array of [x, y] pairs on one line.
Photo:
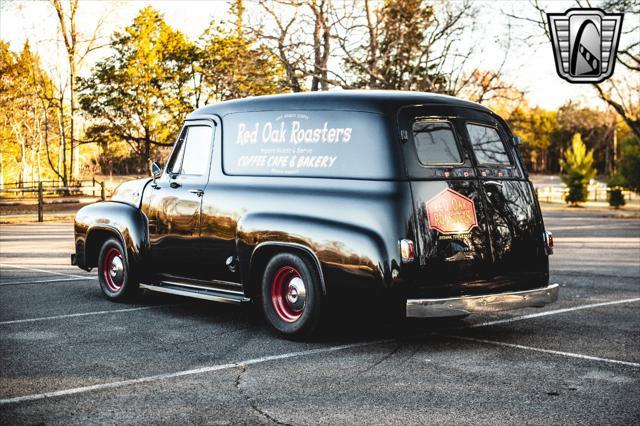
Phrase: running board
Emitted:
{"points": [[197, 293]]}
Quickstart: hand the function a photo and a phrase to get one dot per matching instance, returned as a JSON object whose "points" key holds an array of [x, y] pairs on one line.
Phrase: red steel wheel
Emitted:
{"points": [[117, 281], [291, 295], [113, 269], [288, 294]]}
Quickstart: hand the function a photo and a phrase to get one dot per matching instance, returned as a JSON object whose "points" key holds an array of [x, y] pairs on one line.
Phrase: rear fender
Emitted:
{"points": [[340, 251]]}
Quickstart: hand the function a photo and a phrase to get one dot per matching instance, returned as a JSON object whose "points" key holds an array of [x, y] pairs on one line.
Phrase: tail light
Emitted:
{"points": [[548, 239], [407, 251]]}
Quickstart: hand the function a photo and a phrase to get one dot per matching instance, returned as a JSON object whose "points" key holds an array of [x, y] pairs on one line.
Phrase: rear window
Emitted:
{"points": [[435, 143], [319, 143], [487, 145]]}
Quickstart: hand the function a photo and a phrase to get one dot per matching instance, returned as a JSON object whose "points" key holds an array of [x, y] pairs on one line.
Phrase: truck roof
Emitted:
{"points": [[376, 101]]}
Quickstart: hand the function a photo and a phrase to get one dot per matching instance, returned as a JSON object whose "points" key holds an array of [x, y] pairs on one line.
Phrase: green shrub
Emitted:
{"points": [[578, 169], [629, 164], [616, 197]]}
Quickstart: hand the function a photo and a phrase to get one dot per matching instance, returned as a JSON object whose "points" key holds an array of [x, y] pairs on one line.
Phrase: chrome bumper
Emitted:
{"points": [[465, 305]]}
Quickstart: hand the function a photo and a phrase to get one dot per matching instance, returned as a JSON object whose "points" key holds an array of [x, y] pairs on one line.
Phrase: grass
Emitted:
{"points": [[58, 210], [28, 219]]}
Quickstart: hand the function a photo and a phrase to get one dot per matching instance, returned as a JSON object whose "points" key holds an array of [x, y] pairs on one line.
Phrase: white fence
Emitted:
{"points": [[597, 192]]}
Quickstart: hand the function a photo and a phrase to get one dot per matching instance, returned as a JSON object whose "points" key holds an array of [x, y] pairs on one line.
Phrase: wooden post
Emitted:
{"points": [[94, 186], [102, 191], [40, 203]]}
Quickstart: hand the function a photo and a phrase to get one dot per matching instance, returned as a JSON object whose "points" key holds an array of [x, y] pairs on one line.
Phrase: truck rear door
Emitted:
{"points": [[475, 219], [450, 215], [515, 220]]}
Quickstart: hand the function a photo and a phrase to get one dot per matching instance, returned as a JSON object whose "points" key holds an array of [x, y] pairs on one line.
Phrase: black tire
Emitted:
{"points": [[117, 280], [289, 312]]}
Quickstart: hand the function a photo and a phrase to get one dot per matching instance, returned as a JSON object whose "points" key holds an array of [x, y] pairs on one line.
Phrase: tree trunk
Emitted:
{"points": [[321, 40], [373, 46], [63, 143], [316, 51], [72, 111], [326, 48]]}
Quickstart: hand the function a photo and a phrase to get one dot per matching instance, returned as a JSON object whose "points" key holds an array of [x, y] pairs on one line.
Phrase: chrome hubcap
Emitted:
{"points": [[296, 294], [116, 271]]}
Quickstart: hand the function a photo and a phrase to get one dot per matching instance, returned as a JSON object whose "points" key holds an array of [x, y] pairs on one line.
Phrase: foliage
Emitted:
{"points": [[409, 45], [545, 134], [232, 65], [403, 28], [629, 166], [620, 91], [616, 197], [578, 170], [156, 76], [596, 128], [29, 144], [135, 98], [140, 94], [538, 129]]}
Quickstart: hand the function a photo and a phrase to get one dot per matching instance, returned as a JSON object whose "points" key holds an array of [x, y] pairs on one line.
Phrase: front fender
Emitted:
{"points": [[348, 254], [96, 221]]}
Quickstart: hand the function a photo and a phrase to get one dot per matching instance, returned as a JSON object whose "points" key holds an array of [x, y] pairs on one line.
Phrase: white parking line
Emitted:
{"points": [[111, 385], [5, 265], [83, 389], [48, 281], [547, 351], [85, 314], [553, 312]]}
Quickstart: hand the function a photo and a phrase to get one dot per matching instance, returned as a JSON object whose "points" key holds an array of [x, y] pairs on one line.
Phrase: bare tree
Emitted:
{"points": [[77, 47], [488, 86], [300, 32], [623, 92], [620, 92], [391, 44], [321, 43], [284, 39], [418, 45]]}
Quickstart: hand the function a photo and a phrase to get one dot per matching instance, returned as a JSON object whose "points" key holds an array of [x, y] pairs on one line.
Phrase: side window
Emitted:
{"points": [[435, 143], [487, 145], [192, 154], [195, 160], [175, 162]]}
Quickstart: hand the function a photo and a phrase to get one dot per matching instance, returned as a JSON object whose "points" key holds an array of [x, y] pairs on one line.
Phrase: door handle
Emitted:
{"points": [[175, 185], [198, 192]]}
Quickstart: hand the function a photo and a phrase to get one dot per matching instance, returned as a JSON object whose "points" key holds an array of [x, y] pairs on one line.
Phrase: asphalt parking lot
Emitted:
{"points": [[69, 356]]}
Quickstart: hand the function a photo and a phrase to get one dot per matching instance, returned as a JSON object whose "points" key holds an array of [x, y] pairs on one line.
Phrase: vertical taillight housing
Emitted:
{"points": [[548, 240], [407, 251]]}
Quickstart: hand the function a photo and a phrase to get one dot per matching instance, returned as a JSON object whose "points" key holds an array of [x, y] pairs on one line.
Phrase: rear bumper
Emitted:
{"points": [[465, 305]]}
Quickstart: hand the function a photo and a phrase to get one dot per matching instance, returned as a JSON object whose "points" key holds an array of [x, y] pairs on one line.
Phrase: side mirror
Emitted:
{"points": [[156, 171], [517, 141]]}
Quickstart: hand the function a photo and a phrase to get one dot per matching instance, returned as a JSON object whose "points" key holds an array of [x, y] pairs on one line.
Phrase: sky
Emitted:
{"points": [[529, 65]]}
